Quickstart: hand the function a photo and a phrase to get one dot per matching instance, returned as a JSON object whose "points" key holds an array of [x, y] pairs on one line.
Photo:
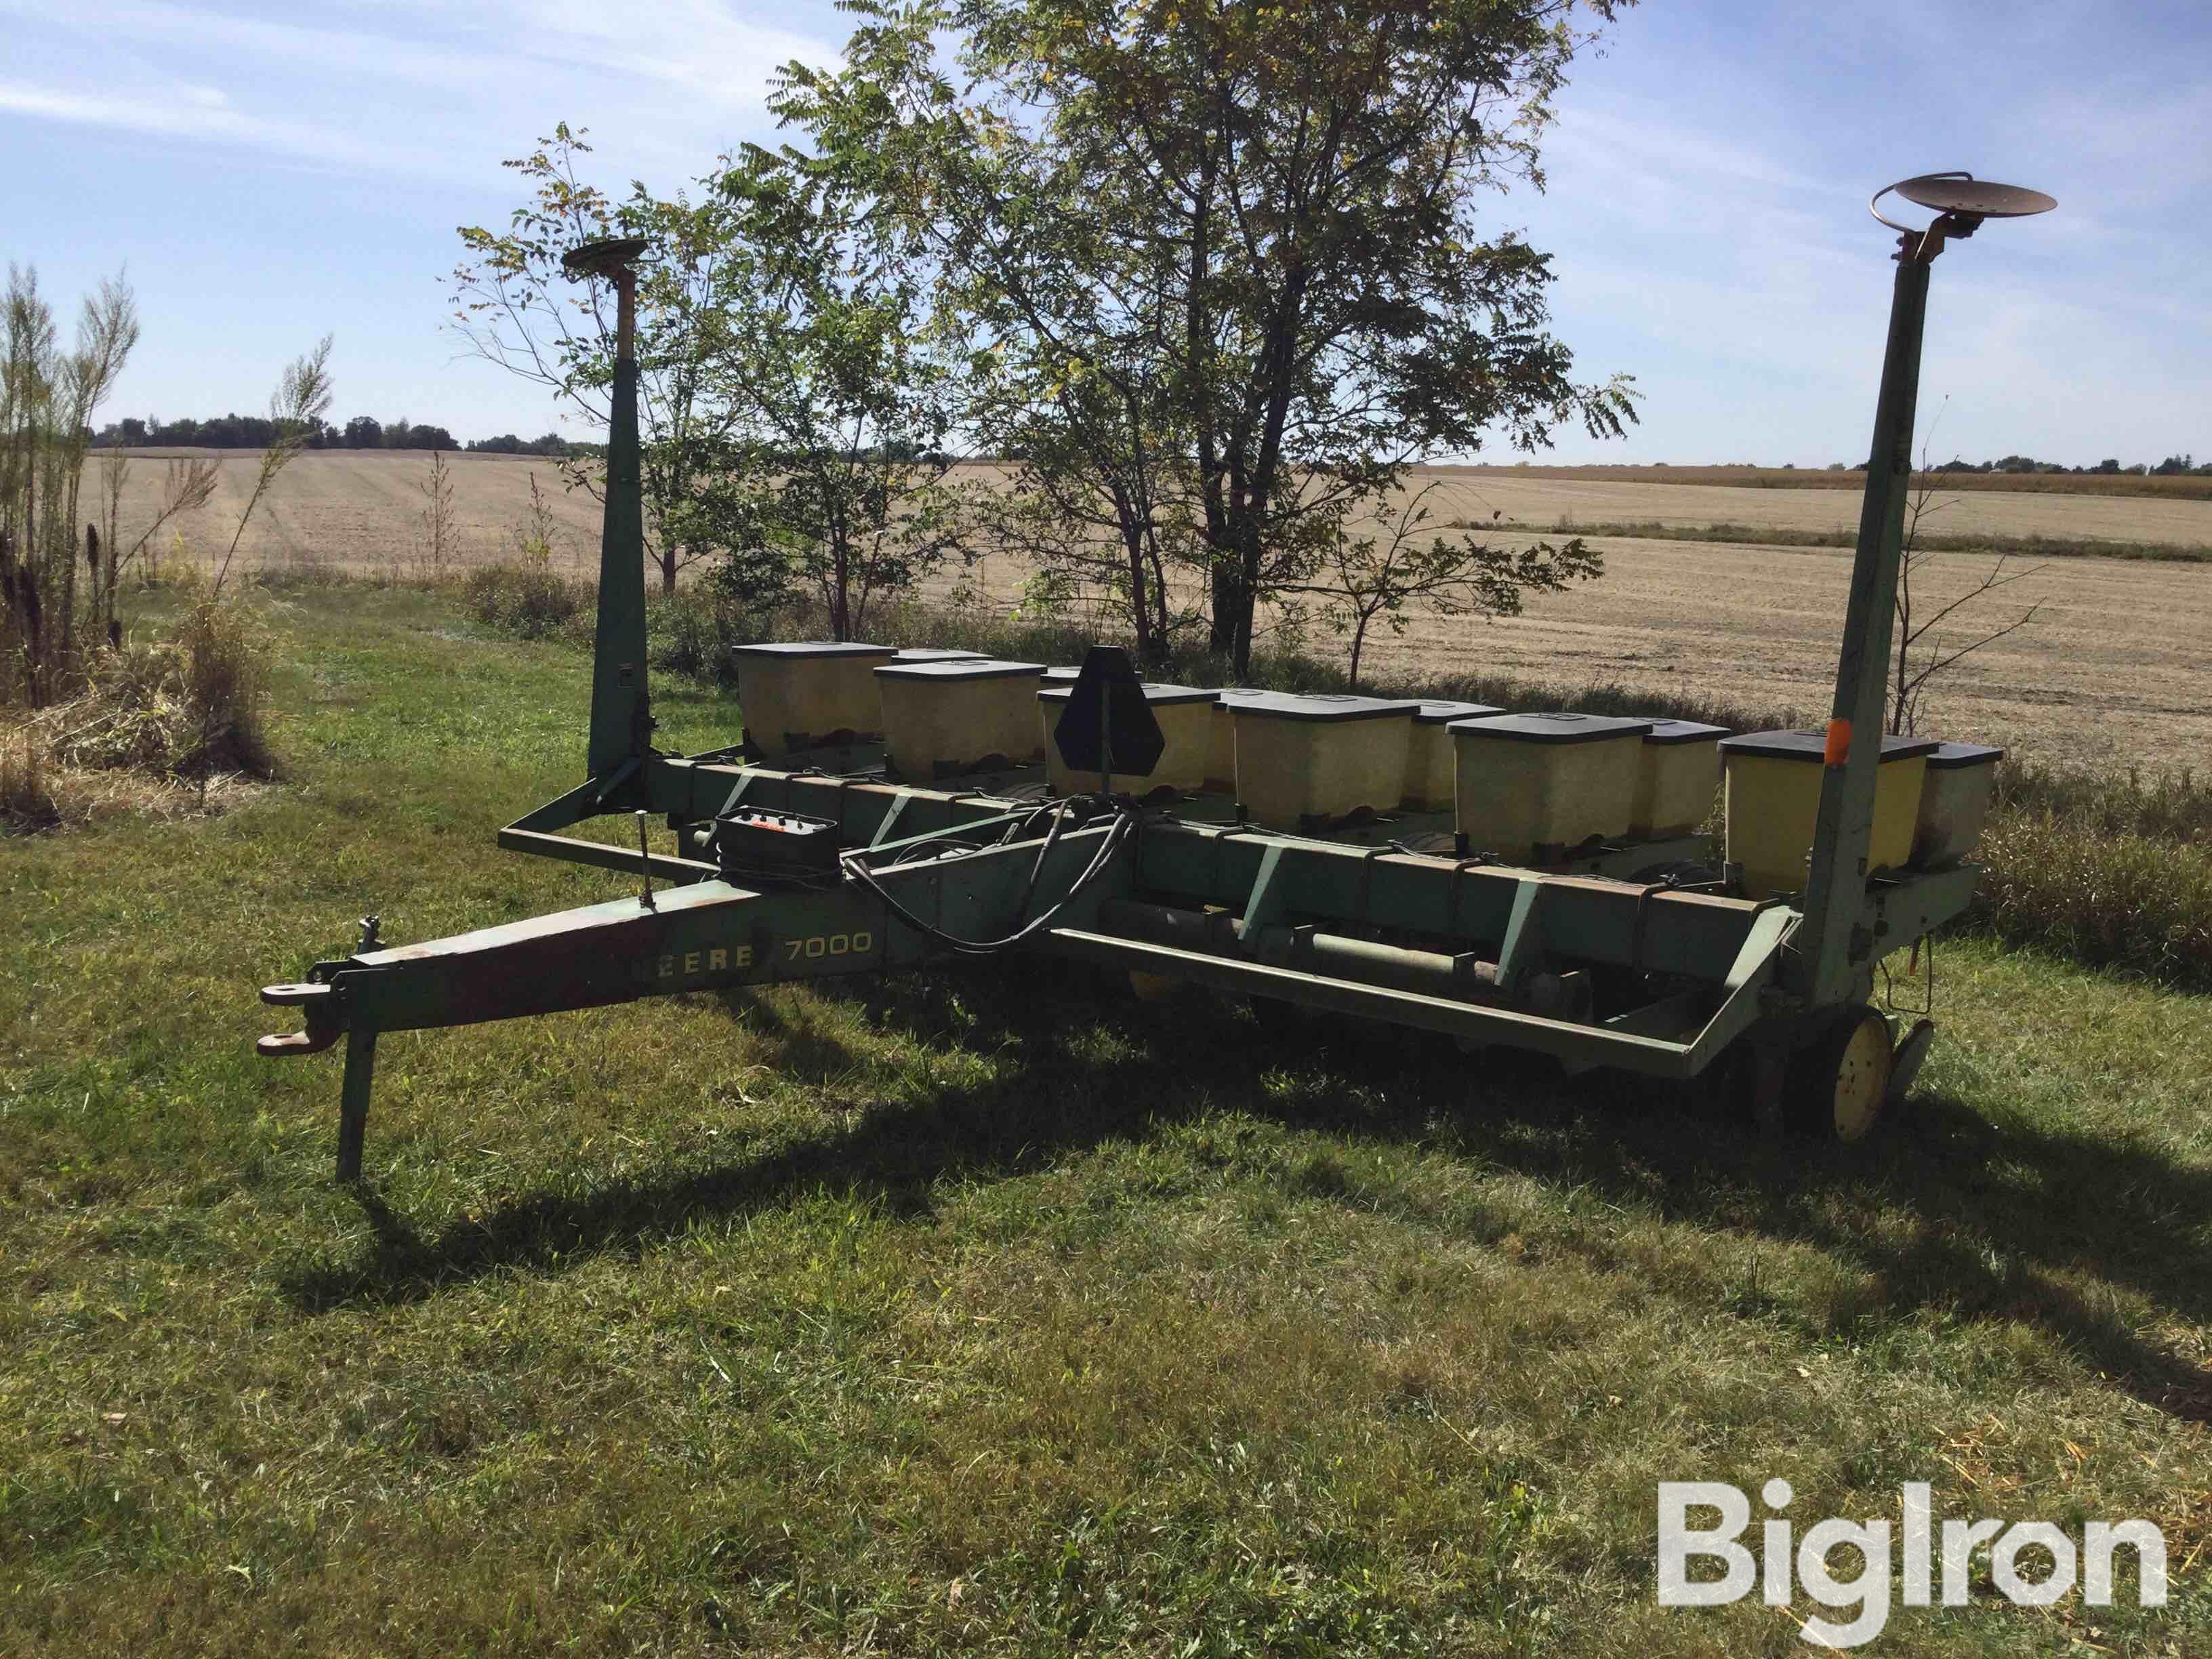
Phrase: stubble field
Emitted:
{"points": [[2112, 669]]}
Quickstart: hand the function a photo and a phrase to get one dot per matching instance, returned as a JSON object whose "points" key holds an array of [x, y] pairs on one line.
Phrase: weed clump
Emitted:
{"points": [[189, 710], [693, 630], [529, 601], [2129, 901], [221, 654], [26, 802]]}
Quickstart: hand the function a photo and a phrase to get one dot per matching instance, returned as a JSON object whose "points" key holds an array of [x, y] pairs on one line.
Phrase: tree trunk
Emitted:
{"points": [[1161, 638], [1221, 637], [1140, 610], [1227, 521], [1247, 598]]}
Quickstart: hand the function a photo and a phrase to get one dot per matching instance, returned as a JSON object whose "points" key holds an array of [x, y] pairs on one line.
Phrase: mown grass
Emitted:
{"points": [[989, 1309], [1989, 541]]}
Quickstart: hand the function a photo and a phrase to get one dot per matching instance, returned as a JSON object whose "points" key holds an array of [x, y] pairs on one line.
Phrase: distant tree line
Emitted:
{"points": [[2173, 467], [551, 443], [362, 431]]}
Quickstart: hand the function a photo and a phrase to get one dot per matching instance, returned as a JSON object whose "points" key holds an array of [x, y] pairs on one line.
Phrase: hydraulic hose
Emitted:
{"points": [[1123, 826]]}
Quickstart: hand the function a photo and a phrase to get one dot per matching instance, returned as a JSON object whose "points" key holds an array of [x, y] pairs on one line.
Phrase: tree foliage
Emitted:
{"points": [[516, 307], [794, 418], [1227, 248], [837, 410], [236, 431], [551, 444], [1210, 274]]}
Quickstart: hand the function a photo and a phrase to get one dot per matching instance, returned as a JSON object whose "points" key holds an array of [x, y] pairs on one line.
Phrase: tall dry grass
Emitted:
{"points": [[2130, 902], [184, 714], [26, 800], [49, 569], [2168, 806]]}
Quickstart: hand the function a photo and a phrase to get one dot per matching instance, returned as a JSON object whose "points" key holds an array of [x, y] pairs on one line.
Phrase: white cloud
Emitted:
{"points": [[178, 112], [432, 90], [1625, 137]]}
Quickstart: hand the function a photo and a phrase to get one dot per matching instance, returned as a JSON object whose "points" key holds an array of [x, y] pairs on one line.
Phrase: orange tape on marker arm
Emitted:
{"points": [[1838, 749]]}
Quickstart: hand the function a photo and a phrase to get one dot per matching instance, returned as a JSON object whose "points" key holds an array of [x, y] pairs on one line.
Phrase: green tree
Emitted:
{"points": [[515, 307], [796, 411], [1094, 493], [836, 407], [1255, 223]]}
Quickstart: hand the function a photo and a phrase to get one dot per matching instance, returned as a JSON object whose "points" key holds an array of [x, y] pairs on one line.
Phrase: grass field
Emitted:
{"points": [[990, 1311]]}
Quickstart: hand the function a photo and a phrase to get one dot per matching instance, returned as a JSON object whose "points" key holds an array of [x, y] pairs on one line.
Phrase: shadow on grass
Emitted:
{"points": [[1999, 1223]]}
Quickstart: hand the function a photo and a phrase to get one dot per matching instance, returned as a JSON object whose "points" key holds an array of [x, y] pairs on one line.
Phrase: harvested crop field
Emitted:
{"points": [[1528, 496], [360, 513], [2112, 668], [2116, 666], [2171, 487]]}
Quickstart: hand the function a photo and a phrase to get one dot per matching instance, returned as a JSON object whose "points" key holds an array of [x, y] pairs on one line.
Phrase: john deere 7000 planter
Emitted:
{"points": [[1651, 954]]}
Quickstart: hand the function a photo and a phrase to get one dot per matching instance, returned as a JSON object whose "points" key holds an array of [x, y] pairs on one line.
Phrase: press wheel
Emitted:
{"points": [[1838, 1084]]}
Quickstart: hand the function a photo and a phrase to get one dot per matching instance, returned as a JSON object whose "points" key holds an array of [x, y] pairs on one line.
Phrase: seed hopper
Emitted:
{"points": [[1525, 907]]}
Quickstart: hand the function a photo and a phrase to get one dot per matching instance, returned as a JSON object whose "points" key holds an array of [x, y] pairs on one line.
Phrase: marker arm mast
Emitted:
{"points": [[1835, 951], [621, 708], [1835, 892]]}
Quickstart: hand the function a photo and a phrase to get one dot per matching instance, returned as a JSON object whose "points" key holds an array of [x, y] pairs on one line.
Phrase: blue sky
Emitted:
{"points": [[267, 173]]}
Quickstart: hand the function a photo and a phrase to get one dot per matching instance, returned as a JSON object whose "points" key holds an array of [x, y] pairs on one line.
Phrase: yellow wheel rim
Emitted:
{"points": [[1862, 1077]]}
